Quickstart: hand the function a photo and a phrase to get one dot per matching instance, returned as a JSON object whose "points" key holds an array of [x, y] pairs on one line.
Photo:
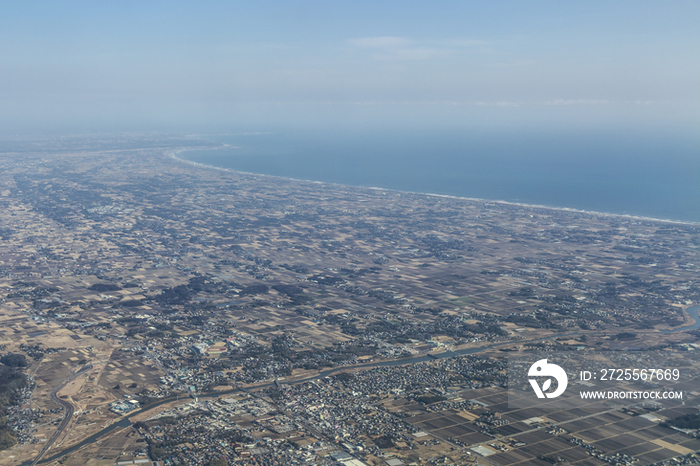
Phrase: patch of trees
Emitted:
{"points": [[158, 333], [359, 273], [135, 330], [289, 290], [126, 320], [7, 437], [624, 336], [525, 292], [177, 295], [197, 321], [403, 332], [429, 310], [163, 421], [182, 294], [430, 399], [294, 293], [254, 290], [235, 436], [38, 292], [295, 268], [529, 321], [385, 441], [199, 284], [11, 381], [482, 328], [104, 287], [342, 351], [130, 303], [14, 360], [385, 296], [344, 376], [323, 280], [21, 284], [689, 421]]}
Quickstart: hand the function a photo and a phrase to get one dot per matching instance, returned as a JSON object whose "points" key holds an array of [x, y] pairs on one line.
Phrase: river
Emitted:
{"points": [[693, 311]]}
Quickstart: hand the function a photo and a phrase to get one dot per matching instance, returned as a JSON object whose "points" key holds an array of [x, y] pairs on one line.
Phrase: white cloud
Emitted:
{"points": [[512, 64], [381, 42], [502, 103], [464, 42], [410, 53], [577, 102], [392, 48], [451, 103], [507, 104]]}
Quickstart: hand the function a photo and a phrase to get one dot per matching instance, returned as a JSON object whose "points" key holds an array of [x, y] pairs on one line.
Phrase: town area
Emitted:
{"points": [[158, 312]]}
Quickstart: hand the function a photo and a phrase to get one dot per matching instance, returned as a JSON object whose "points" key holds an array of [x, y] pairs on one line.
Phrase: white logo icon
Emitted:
{"points": [[542, 369]]}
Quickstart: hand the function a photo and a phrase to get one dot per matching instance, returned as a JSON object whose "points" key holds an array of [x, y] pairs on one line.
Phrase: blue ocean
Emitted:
{"points": [[651, 175]]}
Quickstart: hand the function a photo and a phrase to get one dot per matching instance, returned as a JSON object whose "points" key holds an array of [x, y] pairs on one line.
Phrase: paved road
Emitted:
{"points": [[395, 362], [68, 410]]}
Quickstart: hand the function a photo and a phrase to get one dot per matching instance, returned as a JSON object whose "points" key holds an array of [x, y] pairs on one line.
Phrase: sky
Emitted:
{"points": [[218, 66]]}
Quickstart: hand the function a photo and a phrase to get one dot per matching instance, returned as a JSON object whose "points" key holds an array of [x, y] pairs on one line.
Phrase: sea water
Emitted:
{"points": [[652, 175]]}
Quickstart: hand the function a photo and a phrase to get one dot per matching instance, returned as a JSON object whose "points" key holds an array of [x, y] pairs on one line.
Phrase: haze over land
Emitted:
{"points": [[248, 66]]}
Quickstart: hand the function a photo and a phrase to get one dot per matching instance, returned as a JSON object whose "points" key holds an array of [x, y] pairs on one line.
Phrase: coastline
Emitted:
{"points": [[174, 154]]}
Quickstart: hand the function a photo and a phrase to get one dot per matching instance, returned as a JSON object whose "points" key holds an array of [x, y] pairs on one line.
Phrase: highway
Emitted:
{"points": [[396, 362], [68, 410]]}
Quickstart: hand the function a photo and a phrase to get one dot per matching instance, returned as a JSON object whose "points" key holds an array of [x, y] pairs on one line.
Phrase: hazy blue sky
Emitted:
{"points": [[225, 66]]}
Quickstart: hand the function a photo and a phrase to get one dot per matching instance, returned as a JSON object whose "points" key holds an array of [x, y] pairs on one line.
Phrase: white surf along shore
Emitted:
{"points": [[175, 155]]}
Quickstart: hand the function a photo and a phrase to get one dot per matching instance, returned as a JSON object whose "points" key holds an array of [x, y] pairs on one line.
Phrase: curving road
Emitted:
{"points": [[693, 311], [68, 410]]}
